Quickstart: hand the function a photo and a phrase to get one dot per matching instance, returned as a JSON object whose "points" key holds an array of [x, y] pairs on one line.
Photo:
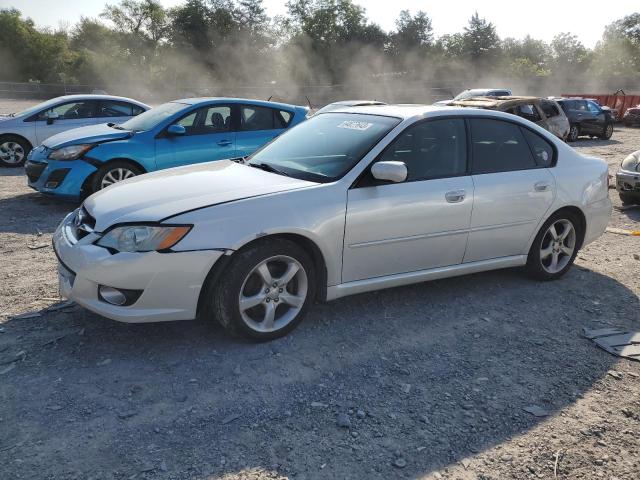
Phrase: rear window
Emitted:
{"points": [[549, 109], [499, 146]]}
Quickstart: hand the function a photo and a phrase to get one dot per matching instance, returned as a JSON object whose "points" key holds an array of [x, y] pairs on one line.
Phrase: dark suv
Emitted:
{"points": [[587, 118]]}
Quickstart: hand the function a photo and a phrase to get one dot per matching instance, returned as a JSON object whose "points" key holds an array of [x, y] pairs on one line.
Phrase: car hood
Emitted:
{"points": [[89, 134], [158, 195]]}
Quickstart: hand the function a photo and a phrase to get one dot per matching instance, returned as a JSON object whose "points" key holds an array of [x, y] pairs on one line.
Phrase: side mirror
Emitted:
{"points": [[176, 130], [51, 117], [389, 171]]}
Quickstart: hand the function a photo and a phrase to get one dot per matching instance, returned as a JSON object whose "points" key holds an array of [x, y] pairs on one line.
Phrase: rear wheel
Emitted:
{"points": [[13, 151], [607, 131], [574, 133], [266, 290], [113, 172], [555, 247]]}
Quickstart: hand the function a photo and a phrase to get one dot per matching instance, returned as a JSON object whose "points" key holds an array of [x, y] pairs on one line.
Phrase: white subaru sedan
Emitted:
{"points": [[347, 202]]}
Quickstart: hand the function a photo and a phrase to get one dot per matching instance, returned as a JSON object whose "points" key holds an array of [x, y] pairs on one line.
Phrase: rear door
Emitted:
{"points": [[74, 114], [513, 189], [116, 111], [596, 118], [209, 135], [259, 125]]}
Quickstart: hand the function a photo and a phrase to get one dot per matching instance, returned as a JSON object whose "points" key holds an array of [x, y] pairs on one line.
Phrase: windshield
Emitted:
{"points": [[149, 119], [37, 108], [325, 147]]}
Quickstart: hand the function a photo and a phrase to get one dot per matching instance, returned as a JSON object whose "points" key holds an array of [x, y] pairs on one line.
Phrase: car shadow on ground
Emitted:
{"points": [[432, 373], [593, 142], [12, 172], [32, 213]]}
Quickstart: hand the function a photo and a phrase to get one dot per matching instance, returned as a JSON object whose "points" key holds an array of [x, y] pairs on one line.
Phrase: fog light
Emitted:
{"points": [[51, 185], [112, 295]]}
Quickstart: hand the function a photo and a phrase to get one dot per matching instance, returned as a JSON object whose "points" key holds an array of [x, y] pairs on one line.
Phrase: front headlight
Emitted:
{"points": [[631, 163], [72, 152], [143, 238]]}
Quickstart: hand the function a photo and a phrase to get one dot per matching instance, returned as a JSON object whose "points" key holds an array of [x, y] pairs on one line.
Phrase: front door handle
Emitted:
{"points": [[224, 143], [455, 196], [542, 187]]}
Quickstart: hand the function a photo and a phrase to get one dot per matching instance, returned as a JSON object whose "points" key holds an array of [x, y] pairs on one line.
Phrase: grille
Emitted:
{"points": [[34, 170], [84, 223]]}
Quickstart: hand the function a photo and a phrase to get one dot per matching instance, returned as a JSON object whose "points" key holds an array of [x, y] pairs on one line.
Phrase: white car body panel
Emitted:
{"points": [[37, 131], [368, 238]]}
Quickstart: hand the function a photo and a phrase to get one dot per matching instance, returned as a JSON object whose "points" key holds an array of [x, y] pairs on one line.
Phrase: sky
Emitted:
{"points": [[541, 19]]}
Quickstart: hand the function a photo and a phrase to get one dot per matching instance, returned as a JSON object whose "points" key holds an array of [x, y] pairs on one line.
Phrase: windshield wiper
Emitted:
{"points": [[115, 125], [267, 167]]}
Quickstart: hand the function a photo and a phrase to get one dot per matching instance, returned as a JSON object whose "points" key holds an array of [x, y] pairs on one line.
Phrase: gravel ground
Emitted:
{"points": [[427, 381]]}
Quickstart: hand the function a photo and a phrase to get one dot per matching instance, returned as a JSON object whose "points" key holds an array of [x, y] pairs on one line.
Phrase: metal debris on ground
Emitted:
{"points": [[24, 316], [621, 343], [36, 247]]}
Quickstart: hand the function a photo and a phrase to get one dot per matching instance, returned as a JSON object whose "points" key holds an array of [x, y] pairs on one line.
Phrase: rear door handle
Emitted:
{"points": [[455, 196], [224, 143], [542, 187]]}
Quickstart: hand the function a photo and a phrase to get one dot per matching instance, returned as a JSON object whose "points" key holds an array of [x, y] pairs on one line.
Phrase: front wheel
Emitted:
{"points": [[607, 132], [113, 172], [13, 151], [266, 290], [555, 247]]}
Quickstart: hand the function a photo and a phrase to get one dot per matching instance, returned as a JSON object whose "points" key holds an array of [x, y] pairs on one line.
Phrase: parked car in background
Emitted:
{"points": [[20, 132], [348, 103], [586, 118], [631, 117], [76, 163], [478, 92], [628, 179], [347, 202], [541, 111]]}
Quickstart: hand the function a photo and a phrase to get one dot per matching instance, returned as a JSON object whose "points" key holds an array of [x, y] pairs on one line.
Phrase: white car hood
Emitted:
{"points": [[155, 196]]}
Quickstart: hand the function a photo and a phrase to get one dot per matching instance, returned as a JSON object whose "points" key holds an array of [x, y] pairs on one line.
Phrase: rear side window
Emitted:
{"points": [[499, 146], [111, 108], [432, 149], [541, 148], [263, 118], [528, 111], [549, 109]]}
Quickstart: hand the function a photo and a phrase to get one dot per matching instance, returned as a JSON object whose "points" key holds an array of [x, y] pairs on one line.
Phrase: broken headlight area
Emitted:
{"points": [[143, 238]]}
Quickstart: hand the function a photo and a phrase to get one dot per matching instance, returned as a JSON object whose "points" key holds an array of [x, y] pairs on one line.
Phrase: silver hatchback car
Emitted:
{"points": [[346, 202], [20, 132]]}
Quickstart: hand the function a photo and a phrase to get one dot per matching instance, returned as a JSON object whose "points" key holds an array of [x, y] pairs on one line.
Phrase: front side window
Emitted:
{"points": [[432, 149], [499, 146], [71, 110], [210, 119], [326, 146], [593, 108]]}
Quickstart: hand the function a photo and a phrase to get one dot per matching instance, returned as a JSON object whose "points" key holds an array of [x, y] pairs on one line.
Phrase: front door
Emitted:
{"points": [[67, 115], [513, 189], [418, 224], [209, 135]]}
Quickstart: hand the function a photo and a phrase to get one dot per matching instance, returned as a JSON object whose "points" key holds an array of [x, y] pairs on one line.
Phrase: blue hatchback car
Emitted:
{"points": [[78, 162]]}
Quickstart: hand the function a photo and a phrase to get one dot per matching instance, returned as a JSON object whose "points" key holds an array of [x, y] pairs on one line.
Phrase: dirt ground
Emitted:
{"points": [[427, 381]]}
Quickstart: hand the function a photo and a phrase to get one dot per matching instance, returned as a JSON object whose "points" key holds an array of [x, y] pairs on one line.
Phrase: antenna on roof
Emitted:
{"points": [[269, 99], [309, 102]]}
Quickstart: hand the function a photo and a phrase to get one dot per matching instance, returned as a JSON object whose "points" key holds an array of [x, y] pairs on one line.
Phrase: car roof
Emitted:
{"points": [[408, 111], [355, 103], [94, 96], [264, 103], [496, 102]]}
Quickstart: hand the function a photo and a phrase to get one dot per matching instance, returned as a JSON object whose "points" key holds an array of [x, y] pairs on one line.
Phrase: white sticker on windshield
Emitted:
{"points": [[351, 125]]}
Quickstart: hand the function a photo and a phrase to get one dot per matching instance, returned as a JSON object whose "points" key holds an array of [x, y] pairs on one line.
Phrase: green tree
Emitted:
{"points": [[481, 43]]}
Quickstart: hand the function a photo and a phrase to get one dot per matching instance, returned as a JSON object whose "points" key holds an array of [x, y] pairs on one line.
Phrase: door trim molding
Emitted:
{"points": [[409, 238], [400, 279]]}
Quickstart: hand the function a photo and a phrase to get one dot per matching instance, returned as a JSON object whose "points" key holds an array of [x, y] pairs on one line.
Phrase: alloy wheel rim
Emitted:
{"points": [[273, 294], [558, 246], [574, 133], [116, 175], [11, 152], [609, 130]]}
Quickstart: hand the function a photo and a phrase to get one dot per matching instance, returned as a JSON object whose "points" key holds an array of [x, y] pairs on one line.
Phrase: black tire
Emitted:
{"points": [[535, 267], [607, 131], [574, 133], [97, 182], [223, 298], [22, 149], [628, 199]]}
